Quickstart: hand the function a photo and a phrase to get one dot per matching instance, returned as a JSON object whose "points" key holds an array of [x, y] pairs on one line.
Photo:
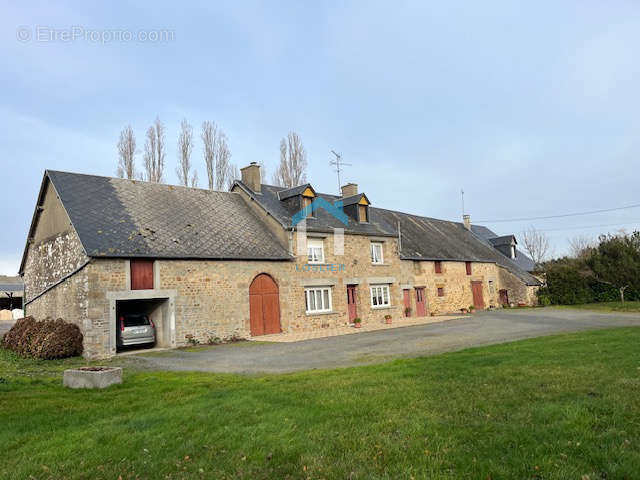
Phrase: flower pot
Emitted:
{"points": [[92, 377], [387, 321], [357, 325]]}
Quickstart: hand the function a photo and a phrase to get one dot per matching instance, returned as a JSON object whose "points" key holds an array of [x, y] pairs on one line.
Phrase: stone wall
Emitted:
{"points": [[212, 297], [518, 291], [47, 263], [457, 285]]}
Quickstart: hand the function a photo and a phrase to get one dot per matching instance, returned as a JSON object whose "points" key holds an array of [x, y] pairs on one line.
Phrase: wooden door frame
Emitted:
{"points": [[262, 304], [353, 287], [473, 299]]}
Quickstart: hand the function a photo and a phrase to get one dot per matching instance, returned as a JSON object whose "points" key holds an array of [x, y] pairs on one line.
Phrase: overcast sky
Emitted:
{"points": [[532, 108]]}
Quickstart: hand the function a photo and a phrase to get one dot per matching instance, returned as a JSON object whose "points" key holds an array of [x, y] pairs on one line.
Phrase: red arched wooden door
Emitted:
{"points": [[264, 306]]}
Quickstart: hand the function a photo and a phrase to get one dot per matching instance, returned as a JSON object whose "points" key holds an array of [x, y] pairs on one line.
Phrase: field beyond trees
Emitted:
{"points": [[556, 407]]}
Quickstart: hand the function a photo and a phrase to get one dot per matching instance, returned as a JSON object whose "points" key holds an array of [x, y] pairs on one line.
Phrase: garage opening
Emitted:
{"points": [[142, 323]]}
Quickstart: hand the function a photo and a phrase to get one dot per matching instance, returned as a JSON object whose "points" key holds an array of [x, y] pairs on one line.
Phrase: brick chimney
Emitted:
{"points": [[251, 176], [349, 190], [467, 221]]}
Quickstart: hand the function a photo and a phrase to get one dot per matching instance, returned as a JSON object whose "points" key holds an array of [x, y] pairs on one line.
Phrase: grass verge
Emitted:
{"points": [[606, 306], [554, 408]]}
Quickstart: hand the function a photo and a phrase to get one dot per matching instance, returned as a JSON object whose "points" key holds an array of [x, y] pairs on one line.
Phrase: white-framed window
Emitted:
{"points": [[513, 251], [315, 250], [376, 253], [380, 296], [318, 299]]}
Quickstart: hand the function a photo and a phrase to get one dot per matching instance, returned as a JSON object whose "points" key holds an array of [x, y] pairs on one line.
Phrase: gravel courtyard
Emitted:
{"points": [[483, 328]]}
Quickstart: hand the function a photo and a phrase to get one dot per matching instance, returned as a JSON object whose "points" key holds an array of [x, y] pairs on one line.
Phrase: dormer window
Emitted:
{"points": [[307, 198], [513, 251], [363, 213]]}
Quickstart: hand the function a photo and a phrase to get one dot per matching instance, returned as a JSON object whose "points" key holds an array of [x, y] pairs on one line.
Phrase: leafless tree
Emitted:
{"points": [[536, 244], [292, 170], [208, 135], [127, 153], [579, 246], [154, 152], [263, 172], [185, 147], [216, 155], [232, 174], [222, 156]]}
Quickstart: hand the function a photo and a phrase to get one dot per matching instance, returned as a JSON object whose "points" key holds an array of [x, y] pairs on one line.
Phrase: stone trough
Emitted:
{"points": [[92, 377]]}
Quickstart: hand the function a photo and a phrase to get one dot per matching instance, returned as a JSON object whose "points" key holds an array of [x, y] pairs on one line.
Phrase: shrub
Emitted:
{"points": [[47, 339]]}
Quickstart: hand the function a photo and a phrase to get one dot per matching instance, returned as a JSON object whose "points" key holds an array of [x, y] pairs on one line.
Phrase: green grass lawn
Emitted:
{"points": [[562, 407], [607, 306]]}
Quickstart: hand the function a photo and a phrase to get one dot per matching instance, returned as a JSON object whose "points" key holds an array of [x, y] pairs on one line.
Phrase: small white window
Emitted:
{"points": [[315, 250], [380, 296], [513, 251], [318, 299], [376, 252]]}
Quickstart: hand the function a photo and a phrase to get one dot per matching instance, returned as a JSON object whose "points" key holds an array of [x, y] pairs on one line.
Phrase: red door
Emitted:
{"points": [[264, 306], [351, 302], [141, 274], [478, 300], [504, 297], [407, 302], [420, 309]]}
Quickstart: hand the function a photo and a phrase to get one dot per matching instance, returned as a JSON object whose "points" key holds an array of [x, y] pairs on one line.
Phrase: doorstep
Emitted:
{"points": [[348, 330]]}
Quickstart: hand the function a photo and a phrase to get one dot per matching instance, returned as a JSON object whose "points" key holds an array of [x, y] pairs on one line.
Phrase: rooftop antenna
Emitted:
{"points": [[462, 195], [338, 163]]}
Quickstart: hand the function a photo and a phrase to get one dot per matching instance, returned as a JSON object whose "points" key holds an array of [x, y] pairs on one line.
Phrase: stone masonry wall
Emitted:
{"points": [[47, 263], [212, 296], [457, 285]]}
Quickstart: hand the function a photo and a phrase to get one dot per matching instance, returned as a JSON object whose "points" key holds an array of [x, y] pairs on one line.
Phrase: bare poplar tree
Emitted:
{"points": [[536, 244], [208, 135], [185, 147], [292, 170], [233, 174], [216, 155], [127, 153], [222, 156], [263, 172], [580, 245], [154, 152]]}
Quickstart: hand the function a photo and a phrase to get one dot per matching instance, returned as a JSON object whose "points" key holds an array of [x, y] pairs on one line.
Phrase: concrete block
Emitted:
{"points": [[92, 377]]}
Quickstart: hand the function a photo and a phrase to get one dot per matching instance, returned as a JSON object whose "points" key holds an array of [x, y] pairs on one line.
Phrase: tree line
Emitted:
{"points": [[606, 270], [220, 172]]}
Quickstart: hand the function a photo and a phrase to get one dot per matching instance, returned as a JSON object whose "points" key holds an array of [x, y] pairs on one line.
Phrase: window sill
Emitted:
{"points": [[381, 264], [317, 314], [384, 307]]}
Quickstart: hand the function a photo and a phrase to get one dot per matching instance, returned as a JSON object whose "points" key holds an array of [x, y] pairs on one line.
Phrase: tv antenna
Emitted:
{"points": [[462, 195], [338, 163]]}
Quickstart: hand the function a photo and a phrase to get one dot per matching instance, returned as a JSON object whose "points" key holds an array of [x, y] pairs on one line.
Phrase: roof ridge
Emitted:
{"points": [[135, 181]]}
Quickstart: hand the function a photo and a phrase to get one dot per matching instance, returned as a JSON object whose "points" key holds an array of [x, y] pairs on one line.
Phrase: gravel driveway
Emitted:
{"points": [[483, 328]]}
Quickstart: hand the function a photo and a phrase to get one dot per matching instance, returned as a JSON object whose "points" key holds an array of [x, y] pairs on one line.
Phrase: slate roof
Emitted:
{"points": [[124, 218], [11, 284], [503, 240], [422, 238], [283, 194], [488, 236]]}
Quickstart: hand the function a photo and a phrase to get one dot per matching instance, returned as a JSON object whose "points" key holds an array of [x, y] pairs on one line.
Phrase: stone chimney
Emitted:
{"points": [[251, 176], [467, 221], [349, 190]]}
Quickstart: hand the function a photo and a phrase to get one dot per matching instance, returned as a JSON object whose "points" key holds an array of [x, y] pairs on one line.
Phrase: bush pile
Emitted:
{"points": [[46, 339]]}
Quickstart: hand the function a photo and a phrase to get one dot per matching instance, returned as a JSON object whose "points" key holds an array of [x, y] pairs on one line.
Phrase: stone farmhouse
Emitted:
{"points": [[256, 260]]}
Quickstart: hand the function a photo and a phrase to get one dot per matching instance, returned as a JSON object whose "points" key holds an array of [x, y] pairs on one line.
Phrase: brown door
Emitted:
{"points": [[504, 297], [141, 274], [264, 306], [420, 310], [351, 302], [478, 300], [407, 302]]}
